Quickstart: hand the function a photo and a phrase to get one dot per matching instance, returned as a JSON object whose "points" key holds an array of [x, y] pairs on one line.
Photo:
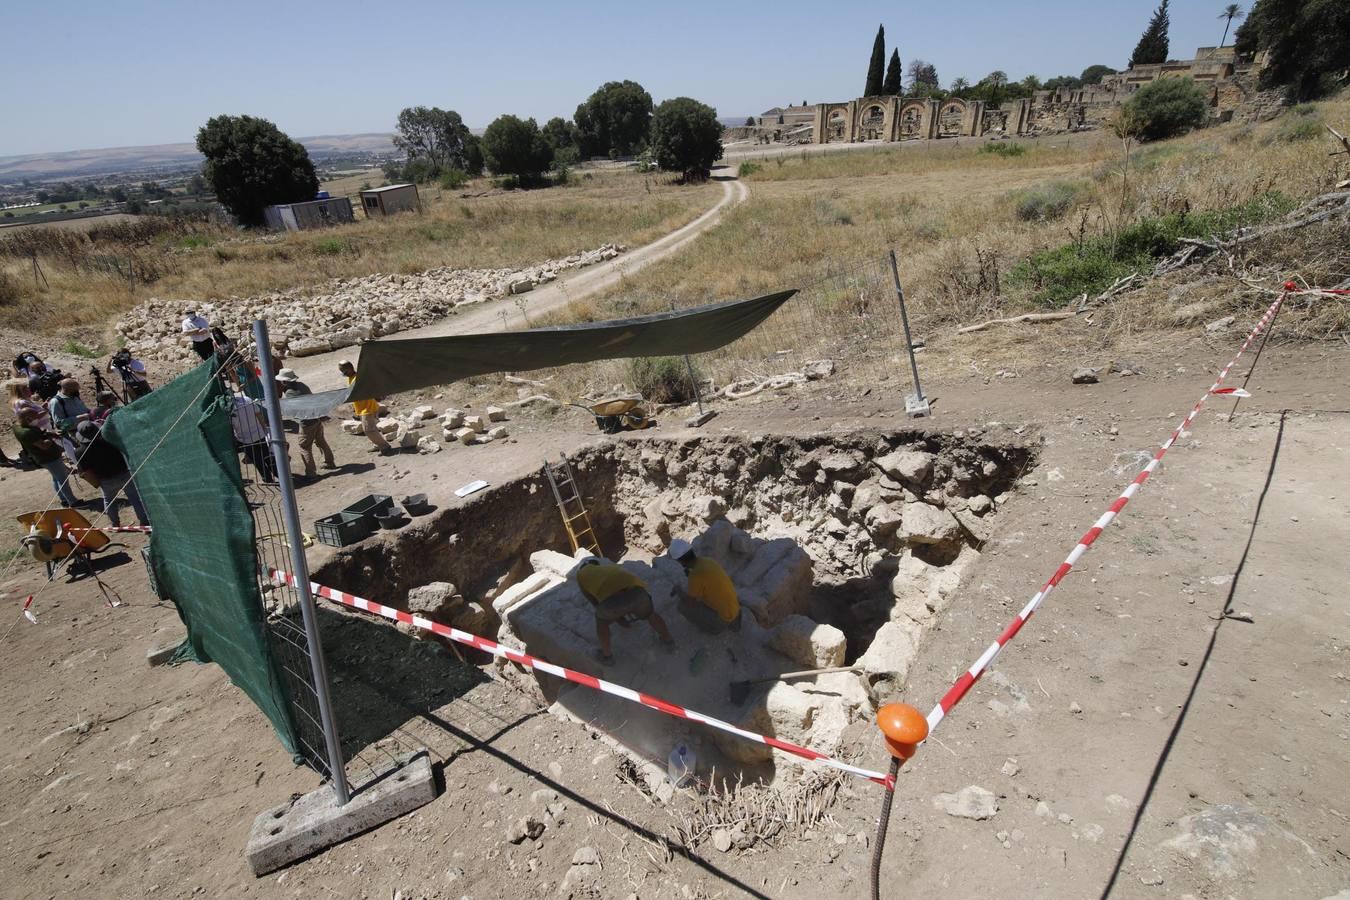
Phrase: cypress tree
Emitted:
{"points": [[876, 68], [891, 86], [1152, 46]]}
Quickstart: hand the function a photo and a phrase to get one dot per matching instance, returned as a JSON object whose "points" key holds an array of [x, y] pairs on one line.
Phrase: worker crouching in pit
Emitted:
{"points": [[709, 599], [619, 597]]}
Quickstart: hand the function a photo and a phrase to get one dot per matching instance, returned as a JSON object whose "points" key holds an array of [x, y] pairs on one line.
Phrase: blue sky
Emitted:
{"points": [[105, 73]]}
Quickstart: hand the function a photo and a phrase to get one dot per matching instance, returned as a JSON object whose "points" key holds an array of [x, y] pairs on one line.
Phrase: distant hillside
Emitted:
{"points": [[122, 160]]}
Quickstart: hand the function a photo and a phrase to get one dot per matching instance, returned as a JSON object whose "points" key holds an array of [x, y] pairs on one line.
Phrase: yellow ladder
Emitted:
{"points": [[573, 511]]}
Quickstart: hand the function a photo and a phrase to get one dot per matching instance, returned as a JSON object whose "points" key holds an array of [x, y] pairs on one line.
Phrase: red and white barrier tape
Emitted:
{"points": [[972, 675], [134, 529], [590, 681]]}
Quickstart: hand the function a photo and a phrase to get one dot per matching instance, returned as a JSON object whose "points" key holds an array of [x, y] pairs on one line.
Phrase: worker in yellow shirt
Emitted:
{"points": [[619, 597], [367, 411], [709, 601]]}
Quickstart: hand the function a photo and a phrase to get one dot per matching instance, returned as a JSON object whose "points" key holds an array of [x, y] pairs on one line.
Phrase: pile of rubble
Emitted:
{"points": [[457, 425], [349, 310]]}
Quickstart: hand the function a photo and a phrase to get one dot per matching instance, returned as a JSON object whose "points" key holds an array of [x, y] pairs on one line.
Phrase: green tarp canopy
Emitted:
{"points": [[178, 442], [392, 367]]}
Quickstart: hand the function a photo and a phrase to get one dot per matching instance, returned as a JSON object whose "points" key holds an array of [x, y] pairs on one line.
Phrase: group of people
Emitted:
{"points": [[708, 599], [57, 431]]}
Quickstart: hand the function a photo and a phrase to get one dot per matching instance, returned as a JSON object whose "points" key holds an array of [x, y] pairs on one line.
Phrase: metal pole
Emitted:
{"points": [[299, 567], [909, 341], [694, 381], [1265, 337]]}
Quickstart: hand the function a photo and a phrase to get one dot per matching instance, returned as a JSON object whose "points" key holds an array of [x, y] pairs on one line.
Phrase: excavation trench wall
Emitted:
{"points": [[844, 549]]}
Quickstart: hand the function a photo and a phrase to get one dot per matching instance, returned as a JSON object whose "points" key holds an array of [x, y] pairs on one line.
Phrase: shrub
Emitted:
{"points": [[454, 179], [9, 289], [1299, 127], [661, 379], [1060, 274], [331, 246], [1003, 148], [251, 164], [76, 349], [1045, 202], [1164, 108], [746, 169]]}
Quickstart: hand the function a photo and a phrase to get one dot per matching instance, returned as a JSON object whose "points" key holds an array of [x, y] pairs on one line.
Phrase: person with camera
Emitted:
{"points": [[43, 380], [135, 384]]}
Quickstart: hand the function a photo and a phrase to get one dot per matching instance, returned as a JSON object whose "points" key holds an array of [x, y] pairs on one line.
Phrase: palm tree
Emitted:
{"points": [[1230, 12]]}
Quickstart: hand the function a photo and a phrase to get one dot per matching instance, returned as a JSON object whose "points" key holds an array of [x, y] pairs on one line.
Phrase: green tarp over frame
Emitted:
{"points": [[178, 442]]}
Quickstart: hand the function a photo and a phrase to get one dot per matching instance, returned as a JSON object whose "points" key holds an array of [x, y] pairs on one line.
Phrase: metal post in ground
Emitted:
{"points": [[703, 415], [299, 567], [916, 405]]}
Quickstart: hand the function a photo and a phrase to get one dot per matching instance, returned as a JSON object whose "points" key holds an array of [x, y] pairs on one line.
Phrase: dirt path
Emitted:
{"points": [[320, 372]]}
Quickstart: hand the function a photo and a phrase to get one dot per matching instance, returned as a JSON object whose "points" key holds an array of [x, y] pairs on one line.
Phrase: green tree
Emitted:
{"points": [[959, 87], [876, 68], [1095, 74], [1230, 12], [686, 137], [1308, 40], [473, 155], [1152, 46], [196, 185], [1031, 84], [251, 164], [437, 136], [560, 134], [515, 146], [614, 120], [892, 86], [922, 75], [1162, 109], [1062, 82]]}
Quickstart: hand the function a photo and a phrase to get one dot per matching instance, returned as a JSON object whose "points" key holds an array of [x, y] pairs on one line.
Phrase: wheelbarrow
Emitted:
{"points": [[618, 413]]}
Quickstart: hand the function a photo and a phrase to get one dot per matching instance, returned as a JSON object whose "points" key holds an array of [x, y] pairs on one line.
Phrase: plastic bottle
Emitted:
{"points": [[680, 765]]}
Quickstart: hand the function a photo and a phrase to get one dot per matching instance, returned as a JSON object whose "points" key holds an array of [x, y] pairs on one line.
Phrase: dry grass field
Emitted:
{"points": [[90, 284]]}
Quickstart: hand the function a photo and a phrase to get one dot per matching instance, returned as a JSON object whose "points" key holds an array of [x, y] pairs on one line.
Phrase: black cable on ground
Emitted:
{"points": [[881, 829]]}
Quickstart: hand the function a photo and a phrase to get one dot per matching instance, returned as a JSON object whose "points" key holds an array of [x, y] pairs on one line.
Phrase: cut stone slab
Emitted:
{"points": [[702, 418], [159, 656], [496, 414], [314, 822]]}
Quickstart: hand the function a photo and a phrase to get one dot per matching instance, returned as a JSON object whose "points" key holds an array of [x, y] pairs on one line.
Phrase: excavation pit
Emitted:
{"points": [[843, 551]]}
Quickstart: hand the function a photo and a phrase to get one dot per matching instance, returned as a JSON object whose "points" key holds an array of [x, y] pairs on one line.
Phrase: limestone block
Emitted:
{"points": [[979, 504], [433, 599], [496, 434], [520, 286], [844, 690], [310, 346], [352, 426], [453, 418], [466, 436], [476, 423], [496, 414], [791, 711], [980, 529], [427, 445], [553, 563], [347, 337], [865, 496], [843, 464], [387, 426], [882, 520], [404, 437], [926, 524], [715, 543], [781, 573], [539, 581], [887, 660], [424, 412], [813, 645], [910, 466]]}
